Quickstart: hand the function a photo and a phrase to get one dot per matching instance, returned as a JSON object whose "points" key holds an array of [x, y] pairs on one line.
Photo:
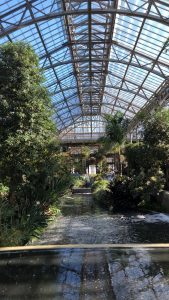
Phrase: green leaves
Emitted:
{"points": [[156, 130], [116, 127], [147, 161], [25, 107], [31, 168]]}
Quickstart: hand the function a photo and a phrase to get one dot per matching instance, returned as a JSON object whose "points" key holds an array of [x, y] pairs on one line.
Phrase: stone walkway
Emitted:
{"points": [[104, 274], [136, 276]]}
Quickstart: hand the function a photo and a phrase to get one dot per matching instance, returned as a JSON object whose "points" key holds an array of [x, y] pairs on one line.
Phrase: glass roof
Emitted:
{"points": [[98, 57]]}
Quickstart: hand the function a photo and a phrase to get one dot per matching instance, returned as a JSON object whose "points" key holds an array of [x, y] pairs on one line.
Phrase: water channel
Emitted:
{"points": [[97, 270], [82, 221]]}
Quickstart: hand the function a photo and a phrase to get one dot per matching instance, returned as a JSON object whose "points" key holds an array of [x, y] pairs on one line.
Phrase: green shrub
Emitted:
{"points": [[147, 186], [101, 191], [79, 182], [148, 161], [32, 169], [122, 199]]}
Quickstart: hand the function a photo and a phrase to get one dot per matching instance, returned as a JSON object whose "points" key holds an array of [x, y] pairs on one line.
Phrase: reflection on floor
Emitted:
{"points": [[85, 274]]}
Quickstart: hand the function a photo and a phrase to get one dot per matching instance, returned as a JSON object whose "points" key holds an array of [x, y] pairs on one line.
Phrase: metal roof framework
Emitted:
{"points": [[98, 57]]}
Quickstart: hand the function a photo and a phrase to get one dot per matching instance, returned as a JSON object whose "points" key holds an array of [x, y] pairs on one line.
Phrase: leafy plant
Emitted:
{"points": [[146, 186], [156, 131], [101, 191], [32, 169], [79, 182], [116, 129], [147, 161]]}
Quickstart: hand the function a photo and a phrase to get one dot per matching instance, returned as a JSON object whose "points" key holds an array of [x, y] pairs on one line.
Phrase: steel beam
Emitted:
{"points": [[54, 15], [89, 42], [97, 87], [100, 60], [159, 99]]}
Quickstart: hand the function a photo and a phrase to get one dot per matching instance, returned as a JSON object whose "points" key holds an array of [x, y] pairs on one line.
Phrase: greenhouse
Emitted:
{"points": [[84, 149]]}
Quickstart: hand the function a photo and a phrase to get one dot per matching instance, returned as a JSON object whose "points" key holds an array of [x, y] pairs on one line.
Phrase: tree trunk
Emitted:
{"points": [[120, 163]]}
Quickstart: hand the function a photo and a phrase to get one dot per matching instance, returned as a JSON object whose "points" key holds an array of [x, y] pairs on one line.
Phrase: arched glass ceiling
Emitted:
{"points": [[98, 56]]}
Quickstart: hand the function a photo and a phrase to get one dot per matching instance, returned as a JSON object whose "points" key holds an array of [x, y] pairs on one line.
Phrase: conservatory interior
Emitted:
{"points": [[84, 149]]}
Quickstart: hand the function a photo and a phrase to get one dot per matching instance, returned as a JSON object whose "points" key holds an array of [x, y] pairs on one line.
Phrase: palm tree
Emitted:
{"points": [[85, 154], [116, 129]]}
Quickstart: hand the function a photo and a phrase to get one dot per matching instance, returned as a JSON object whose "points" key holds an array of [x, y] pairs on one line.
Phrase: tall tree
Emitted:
{"points": [[33, 172], [116, 128], [25, 113], [156, 129]]}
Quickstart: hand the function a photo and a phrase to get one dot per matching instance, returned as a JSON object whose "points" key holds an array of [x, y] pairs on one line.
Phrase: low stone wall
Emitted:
{"points": [[164, 199]]}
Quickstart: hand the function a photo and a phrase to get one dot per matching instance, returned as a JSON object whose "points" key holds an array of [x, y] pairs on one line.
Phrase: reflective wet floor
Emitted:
{"points": [[82, 222], [87, 273]]}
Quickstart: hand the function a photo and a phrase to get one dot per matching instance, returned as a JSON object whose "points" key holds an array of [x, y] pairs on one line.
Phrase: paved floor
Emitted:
{"points": [[97, 274]]}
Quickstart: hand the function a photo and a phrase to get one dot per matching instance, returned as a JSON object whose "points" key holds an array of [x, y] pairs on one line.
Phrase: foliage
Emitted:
{"points": [[85, 154], [100, 184], [4, 190], [116, 195], [85, 151], [147, 165], [116, 127], [105, 147], [156, 130], [79, 165], [18, 232], [79, 181], [137, 191], [122, 199], [101, 191], [33, 173], [146, 186], [141, 155], [102, 166], [147, 161], [154, 150]]}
